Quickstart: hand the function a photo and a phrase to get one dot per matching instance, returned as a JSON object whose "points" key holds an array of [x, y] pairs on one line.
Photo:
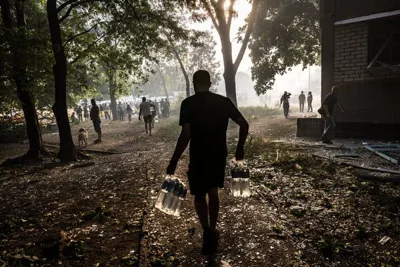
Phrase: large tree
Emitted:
{"points": [[286, 34], [17, 63], [221, 13], [85, 23]]}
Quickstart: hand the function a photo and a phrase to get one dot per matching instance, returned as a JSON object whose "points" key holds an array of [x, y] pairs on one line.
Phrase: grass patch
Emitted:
{"points": [[256, 112], [169, 129]]}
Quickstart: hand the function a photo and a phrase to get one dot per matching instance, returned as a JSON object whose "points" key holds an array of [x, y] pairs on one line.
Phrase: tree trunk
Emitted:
{"points": [[229, 70], [175, 52], [20, 77], [67, 148], [113, 101], [163, 82]]}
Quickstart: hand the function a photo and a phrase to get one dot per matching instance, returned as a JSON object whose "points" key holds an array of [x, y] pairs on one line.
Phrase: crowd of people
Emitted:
{"points": [[125, 110], [148, 110]]}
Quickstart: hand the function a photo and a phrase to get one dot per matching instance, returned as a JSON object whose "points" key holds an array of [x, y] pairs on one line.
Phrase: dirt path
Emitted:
{"points": [[99, 212]]}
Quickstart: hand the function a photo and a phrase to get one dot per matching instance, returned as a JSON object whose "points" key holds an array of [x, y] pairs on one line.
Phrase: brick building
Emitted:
{"points": [[361, 54]]}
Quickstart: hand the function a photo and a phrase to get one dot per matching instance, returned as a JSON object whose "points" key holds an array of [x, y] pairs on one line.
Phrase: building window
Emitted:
{"points": [[384, 43]]}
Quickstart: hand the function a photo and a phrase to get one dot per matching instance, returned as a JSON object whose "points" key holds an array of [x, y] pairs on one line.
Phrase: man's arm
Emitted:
{"points": [[326, 109], [183, 142], [140, 113], [340, 107], [243, 132]]}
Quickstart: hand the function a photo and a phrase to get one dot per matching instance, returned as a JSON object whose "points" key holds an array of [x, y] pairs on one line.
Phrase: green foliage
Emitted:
{"points": [[37, 54], [251, 113], [286, 34]]}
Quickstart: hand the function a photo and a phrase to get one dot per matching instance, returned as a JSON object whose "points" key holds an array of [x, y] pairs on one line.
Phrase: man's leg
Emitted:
{"points": [[145, 126], [213, 207], [329, 129], [332, 128], [150, 125], [200, 205]]}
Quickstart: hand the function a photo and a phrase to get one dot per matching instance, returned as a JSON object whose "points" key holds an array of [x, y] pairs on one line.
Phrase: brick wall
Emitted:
{"points": [[368, 96], [351, 56]]}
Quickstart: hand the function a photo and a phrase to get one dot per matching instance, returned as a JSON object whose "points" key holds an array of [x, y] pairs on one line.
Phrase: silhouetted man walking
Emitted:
{"points": [[145, 111], [309, 101], [328, 107], [204, 119], [302, 100]]}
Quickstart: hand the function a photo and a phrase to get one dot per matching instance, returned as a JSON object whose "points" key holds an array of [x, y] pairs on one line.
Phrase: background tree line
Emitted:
{"points": [[56, 51]]}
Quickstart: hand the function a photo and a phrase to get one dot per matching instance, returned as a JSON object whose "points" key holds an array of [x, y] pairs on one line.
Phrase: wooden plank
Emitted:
{"points": [[381, 154]]}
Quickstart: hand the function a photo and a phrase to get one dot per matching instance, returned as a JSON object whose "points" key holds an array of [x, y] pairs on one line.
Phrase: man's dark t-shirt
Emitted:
{"points": [[94, 112], [331, 101], [208, 115]]}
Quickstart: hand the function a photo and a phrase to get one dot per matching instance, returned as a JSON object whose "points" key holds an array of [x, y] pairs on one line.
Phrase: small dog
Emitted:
{"points": [[82, 137]]}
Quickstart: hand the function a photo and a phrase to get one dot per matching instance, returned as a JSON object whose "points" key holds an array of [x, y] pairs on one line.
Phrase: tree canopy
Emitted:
{"points": [[286, 34]]}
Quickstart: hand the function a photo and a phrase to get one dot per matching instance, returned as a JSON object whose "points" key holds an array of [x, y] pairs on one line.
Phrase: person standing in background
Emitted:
{"points": [[95, 117], [120, 111], [309, 102], [129, 112], [79, 112], [302, 100], [86, 113], [285, 101], [101, 111], [107, 112]]}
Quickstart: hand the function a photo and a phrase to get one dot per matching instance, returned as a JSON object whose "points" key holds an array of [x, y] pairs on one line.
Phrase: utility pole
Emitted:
{"points": [[309, 78]]}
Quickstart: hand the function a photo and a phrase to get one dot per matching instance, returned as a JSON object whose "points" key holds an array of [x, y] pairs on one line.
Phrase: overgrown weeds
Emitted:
{"points": [[256, 112], [169, 130]]}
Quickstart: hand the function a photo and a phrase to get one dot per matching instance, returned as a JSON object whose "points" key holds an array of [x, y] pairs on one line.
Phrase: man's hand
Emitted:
{"points": [[239, 153], [171, 167], [140, 118]]}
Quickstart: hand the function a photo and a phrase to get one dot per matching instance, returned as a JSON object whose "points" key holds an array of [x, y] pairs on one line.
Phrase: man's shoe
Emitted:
{"points": [[210, 243], [327, 142], [97, 141], [206, 248], [214, 242]]}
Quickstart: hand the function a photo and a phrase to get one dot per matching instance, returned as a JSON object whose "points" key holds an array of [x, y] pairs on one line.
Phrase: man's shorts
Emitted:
{"points": [[96, 125], [148, 118], [202, 177]]}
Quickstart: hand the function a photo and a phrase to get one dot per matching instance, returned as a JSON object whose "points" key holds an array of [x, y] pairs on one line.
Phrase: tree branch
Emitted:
{"points": [[65, 4], [79, 34], [73, 4], [90, 46], [210, 14], [230, 15], [246, 38]]}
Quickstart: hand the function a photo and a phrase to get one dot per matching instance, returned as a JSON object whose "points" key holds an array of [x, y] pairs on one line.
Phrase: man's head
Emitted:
{"points": [[309, 93], [93, 101], [201, 81], [285, 93], [302, 92], [335, 89], [143, 99]]}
